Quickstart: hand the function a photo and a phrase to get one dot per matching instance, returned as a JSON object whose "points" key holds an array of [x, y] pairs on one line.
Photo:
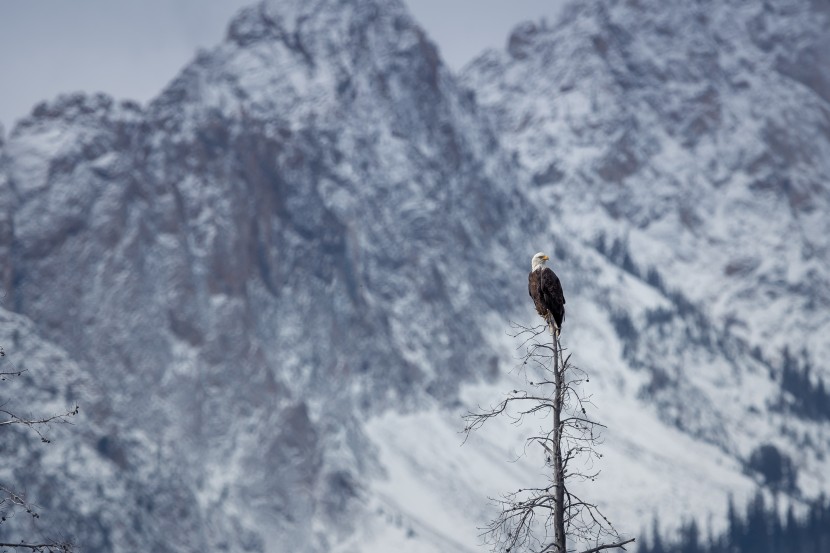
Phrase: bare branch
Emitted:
{"points": [[51, 547], [586, 421], [609, 546], [14, 419], [541, 518], [16, 372], [36, 424], [11, 501]]}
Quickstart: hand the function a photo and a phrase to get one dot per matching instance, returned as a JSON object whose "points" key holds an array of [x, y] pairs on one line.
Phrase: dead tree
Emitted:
{"points": [[540, 519], [13, 503]]}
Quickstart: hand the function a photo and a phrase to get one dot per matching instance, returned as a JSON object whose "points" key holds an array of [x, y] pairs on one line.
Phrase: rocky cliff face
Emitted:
{"points": [[687, 144], [280, 281], [276, 247], [699, 135]]}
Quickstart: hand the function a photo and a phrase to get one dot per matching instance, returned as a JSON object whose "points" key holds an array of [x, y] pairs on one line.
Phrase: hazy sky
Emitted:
{"points": [[132, 49]]}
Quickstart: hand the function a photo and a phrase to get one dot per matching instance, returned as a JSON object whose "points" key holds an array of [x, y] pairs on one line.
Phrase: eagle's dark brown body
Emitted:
{"points": [[546, 290]]}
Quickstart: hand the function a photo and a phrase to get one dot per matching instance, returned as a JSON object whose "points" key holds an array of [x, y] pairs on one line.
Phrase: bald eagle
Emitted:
{"points": [[546, 290]]}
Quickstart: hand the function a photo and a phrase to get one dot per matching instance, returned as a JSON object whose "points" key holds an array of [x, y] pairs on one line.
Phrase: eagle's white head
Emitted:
{"points": [[538, 261]]}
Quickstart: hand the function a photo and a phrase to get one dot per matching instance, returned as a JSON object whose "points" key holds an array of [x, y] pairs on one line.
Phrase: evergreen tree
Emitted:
{"points": [[760, 530], [792, 531], [690, 538], [756, 537], [658, 542], [735, 529]]}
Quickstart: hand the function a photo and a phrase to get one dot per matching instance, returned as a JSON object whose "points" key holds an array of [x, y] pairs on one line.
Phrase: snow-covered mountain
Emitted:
{"points": [[276, 287], [697, 134], [690, 145], [275, 248]]}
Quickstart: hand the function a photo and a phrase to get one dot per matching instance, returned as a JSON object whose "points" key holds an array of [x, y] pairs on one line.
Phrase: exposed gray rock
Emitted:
{"points": [[315, 224]]}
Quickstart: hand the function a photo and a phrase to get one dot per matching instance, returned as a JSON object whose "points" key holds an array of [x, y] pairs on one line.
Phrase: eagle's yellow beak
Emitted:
{"points": [[545, 257]]}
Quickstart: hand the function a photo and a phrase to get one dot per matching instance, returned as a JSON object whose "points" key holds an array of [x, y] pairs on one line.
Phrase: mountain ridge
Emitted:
{"points": [[679, 125], [291, 271], [212, 233]]}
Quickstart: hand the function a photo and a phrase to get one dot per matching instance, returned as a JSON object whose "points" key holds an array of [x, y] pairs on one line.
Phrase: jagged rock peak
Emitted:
{"points": [[296, 21], [300, 60], [644, 99], [79, 107], [790, 30]]}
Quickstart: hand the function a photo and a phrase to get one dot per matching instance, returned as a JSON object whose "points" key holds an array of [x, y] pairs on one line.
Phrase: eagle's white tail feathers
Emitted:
{"points": [[554, 328]]}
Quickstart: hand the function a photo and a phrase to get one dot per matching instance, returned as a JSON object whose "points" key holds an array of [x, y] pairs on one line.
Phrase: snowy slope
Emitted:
{"points": [[675, 445], [284, 280], [270, 251], [689, 144], [698, 134]]}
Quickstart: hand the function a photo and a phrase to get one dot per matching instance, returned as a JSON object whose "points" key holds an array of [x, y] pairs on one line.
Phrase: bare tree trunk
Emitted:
{"points": [[535, 519], [558, 473]]}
